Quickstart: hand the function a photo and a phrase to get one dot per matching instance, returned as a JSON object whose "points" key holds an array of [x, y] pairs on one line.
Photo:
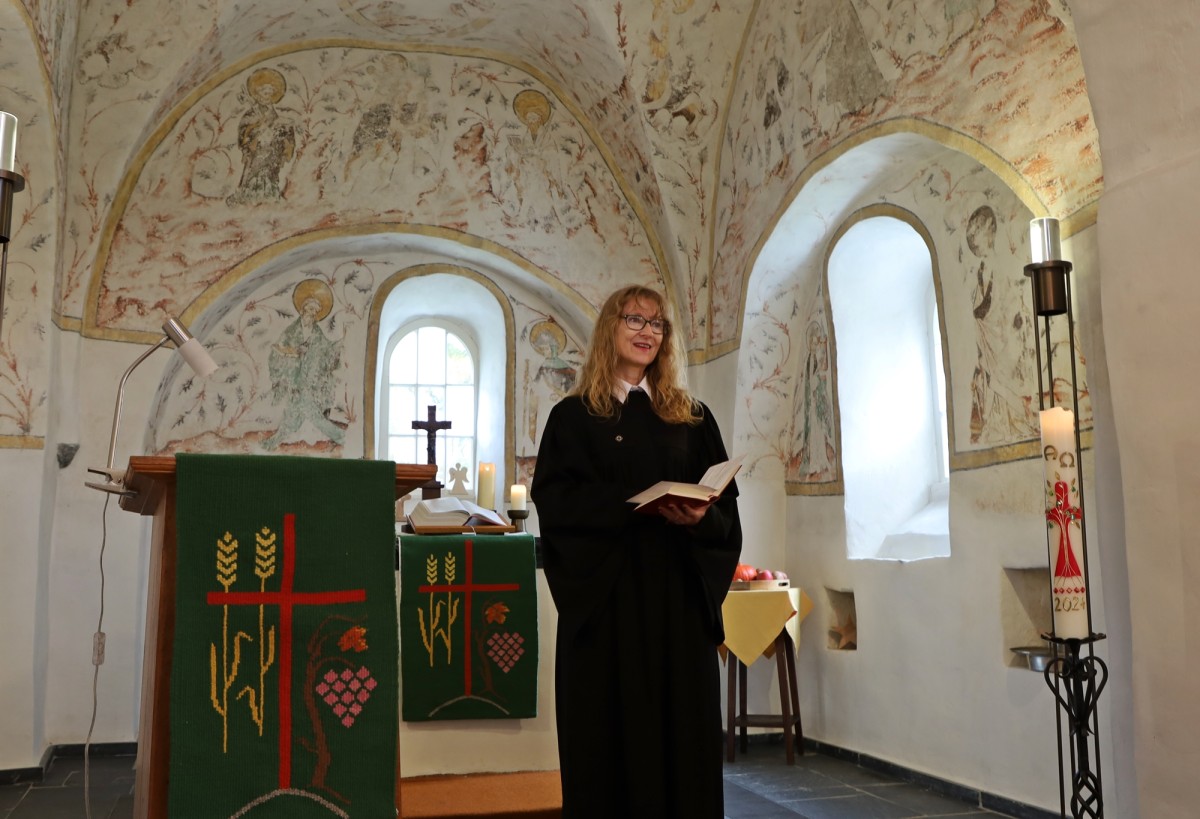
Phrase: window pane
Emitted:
{"points": [[431, 396], [460, 408], [402, 366], [431, 367], [402, 410], [431, 355], [460, 368], [403, 450], [462, 451]]}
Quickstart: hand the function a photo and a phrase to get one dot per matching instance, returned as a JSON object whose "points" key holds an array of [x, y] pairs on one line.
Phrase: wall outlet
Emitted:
{"points": [[98, 648]]}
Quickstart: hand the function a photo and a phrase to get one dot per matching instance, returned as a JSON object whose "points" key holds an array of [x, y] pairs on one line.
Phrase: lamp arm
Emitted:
{"points": [[112, 440], [3, 278]]}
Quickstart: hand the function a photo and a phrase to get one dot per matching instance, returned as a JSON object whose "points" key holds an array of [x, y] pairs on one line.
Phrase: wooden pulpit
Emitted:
{"points": [[151, 481]]}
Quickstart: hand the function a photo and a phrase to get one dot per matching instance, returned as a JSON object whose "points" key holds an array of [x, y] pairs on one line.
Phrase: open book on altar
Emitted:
{"points": [[449, 514], [710, 487]]}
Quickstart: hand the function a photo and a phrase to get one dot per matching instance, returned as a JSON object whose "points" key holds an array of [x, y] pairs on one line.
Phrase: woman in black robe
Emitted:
{"points": [[637, 682]]}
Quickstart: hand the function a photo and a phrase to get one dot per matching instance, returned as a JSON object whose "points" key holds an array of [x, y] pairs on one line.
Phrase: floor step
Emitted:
{"points": [[520, 795]]}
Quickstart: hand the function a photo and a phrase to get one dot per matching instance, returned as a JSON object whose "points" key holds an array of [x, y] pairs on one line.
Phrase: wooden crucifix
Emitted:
{"points": [[432, 489]]}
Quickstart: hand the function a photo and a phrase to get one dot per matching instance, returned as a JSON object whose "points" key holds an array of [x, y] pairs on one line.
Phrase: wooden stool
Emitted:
{"points": [[789, 698]]}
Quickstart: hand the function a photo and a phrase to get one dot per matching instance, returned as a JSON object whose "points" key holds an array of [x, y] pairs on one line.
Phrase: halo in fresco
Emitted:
{"points": [[533, 109], [266, 86], [313, 289]]}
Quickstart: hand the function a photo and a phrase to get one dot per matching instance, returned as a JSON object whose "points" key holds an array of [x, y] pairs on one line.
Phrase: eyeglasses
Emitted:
{"points": [[635, 322]]}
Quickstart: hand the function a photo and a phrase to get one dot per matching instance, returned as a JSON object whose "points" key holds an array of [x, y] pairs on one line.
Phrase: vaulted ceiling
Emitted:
{"points": [[710, 115]]}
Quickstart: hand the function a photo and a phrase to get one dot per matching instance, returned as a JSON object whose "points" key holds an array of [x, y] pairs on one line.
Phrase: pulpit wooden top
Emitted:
{"points": [[148, 476]]}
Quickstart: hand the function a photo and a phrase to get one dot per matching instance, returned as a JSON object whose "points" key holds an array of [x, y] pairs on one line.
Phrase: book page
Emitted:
{"points": [[719, 475], [477, 511], [711, 484], [448, 508], [453, 512]]}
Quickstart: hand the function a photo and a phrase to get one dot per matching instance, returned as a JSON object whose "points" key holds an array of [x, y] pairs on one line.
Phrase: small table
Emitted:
{"points": [[764, 623]]}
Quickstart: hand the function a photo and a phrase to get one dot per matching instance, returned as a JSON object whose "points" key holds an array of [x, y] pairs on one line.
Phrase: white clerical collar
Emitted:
{"points": [[622, 387]]}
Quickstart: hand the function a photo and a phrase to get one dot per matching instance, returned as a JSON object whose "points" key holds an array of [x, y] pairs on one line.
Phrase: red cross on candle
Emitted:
{"points": [[468, 588], [287, 598], [1064, 514]]}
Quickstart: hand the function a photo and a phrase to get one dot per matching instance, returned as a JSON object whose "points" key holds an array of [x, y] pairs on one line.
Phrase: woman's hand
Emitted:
{"points": [[683, 515]]}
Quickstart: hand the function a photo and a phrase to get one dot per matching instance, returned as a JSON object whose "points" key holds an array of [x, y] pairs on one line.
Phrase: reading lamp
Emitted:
{"points": [[10, 182], [196, 357]]}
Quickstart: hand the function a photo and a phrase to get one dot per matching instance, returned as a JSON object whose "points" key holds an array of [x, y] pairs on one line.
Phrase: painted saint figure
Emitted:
{"points": [[549, 339], [266, 138], [531, 189], [302, 366], [817, 454], [386, 144], [998, 413]]}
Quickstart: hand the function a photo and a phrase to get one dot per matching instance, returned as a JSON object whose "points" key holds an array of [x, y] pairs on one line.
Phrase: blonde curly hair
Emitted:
{"points": [[670, 398]]}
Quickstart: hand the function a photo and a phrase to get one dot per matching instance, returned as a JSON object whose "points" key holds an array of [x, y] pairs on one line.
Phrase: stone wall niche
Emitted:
{"points": [[843, 621], [1024, 611]]}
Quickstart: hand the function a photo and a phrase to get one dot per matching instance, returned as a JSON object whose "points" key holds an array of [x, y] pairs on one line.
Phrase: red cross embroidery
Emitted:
{"points": [[468, 588], [287, 599]]}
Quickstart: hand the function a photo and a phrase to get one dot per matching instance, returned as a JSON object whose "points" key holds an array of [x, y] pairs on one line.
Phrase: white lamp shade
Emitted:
{"points": [[197, 357], [8, 142]]}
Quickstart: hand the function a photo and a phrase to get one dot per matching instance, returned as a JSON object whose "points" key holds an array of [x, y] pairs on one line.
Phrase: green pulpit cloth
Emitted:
{"points": [[284, 678], [468, 627]]}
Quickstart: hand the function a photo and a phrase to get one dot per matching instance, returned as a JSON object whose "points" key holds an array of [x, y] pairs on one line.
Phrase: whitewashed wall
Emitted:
{"points": [[1149, 296]]}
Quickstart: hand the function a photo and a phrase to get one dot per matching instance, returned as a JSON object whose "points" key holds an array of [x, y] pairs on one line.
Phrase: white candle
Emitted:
{"points": [[8, 142], [485, 487], [516, 496], [1064, 523], [1044, 243]]}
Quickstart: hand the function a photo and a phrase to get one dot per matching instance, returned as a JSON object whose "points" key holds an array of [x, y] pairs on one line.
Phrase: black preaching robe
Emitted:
{"points": [[637, 681]]}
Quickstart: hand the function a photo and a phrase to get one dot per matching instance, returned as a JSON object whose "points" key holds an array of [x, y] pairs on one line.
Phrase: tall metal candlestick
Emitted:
{"points": [[1076, 675]]}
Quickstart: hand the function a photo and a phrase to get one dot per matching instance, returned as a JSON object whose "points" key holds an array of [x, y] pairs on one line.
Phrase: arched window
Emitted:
{"points": [[891, 392], [431, 364], [456, 317]]}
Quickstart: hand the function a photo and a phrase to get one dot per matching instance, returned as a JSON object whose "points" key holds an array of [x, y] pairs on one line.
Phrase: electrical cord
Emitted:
{"points": [[97, 660]]}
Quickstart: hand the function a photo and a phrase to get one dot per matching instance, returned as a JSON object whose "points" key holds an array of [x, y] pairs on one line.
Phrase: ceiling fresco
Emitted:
{"points": [[587, 142], [1001, 81], [344, 138], [706, 113]]}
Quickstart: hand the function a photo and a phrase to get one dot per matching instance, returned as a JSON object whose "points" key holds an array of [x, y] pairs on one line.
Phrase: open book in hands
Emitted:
{"points": [[438, 514], [711, 485]]}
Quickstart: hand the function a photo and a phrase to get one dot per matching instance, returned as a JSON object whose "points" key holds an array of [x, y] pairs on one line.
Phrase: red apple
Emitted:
{"points": [[765, 574]]}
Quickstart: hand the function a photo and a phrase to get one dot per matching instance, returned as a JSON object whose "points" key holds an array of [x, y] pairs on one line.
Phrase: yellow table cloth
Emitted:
{"points": [[754, 618]]}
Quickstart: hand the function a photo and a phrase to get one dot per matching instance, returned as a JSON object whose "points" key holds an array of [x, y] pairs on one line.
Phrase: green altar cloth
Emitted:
{"points": [[284, 678], [468, 627]]}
